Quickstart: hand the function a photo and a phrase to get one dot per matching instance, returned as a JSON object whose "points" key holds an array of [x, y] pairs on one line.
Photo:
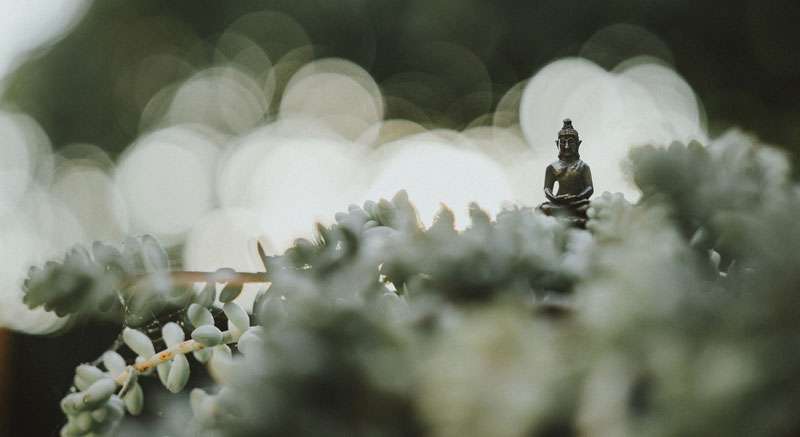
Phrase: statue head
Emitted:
{"points": [[568, 141]]}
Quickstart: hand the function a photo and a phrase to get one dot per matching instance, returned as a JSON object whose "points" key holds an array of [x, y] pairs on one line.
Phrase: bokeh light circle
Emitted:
{"points": [[166, 179]]}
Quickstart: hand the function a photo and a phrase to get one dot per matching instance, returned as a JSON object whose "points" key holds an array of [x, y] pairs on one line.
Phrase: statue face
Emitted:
{"points": [[568, 146]]}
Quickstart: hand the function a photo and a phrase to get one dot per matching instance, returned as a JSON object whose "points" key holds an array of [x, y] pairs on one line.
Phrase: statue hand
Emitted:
{"points": [[565, 197]]}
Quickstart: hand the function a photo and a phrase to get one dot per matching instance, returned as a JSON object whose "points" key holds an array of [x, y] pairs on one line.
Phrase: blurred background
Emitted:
{"points": [[212, 125]]}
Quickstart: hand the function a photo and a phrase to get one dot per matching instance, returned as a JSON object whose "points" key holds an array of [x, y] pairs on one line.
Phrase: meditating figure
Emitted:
{"points": [[574, 180]]}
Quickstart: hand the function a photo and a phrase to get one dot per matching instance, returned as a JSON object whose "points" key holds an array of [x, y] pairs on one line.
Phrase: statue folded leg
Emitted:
{"points": [[574, 212], [575, 208], [581, 206]]}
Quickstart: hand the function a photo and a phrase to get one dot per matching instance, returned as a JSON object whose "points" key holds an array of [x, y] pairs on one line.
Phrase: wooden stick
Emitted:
{"points": [[187, 278]]}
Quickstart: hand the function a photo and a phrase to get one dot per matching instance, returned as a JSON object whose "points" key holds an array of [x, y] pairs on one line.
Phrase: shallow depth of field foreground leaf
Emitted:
{"points": [[675, 316]]}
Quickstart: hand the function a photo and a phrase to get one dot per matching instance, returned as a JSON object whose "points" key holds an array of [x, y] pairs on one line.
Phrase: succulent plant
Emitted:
{"points": [[672, 316]]}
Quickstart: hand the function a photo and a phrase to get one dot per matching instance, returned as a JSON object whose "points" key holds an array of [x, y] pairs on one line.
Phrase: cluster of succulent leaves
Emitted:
{"points": [[128, 284], [519, 254], [105, 390], [674, 316]]}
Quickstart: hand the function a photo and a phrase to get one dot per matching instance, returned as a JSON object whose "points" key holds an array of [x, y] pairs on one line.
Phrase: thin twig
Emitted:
{"points": [[167, 354]]}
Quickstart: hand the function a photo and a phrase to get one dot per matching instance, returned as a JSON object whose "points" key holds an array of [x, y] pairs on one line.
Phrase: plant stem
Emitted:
{"points": [[167, 354]]}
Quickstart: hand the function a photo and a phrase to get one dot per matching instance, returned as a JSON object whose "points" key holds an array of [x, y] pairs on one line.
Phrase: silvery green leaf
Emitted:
{"points": [[250, 340], [379, 233], [356, 212], [154, 256], [272, 310], [207, 335], [219, 366], [199, 315], [237, 315], [478, 217], [70, 429], [163, 372], [89, 373], [258, 302], [230, 292], [99, 392], [138, 342], [100, 428], [400, 199], [223, 350], [132, 255], [202, 406], [207, 295], [234, 332], [178, 374], [172, 334], [116, 407], [203, 355], [384, 212], [100, 414], [83, 421], [80, 383], [114, 363], [179, 295], [196, 396], [35, 274], [78, 259], [71, 403], [370, 207], [444, 220], [134, 400], [105, 254]]}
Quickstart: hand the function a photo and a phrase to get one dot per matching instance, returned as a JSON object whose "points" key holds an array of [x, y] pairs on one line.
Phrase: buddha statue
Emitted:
{"points": [[574, 180]]}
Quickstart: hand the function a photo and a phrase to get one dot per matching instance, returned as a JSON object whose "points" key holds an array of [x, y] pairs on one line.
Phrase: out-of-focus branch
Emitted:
{"points": [[168, 354]]}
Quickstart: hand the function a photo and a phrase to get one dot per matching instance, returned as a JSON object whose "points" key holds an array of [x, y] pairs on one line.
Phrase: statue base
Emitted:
{"points": [[574, 215]]}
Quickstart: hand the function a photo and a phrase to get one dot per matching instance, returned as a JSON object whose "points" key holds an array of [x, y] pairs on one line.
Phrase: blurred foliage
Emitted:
{"points": [[655, 321], [651, 338], [130, 286], [321, 372]]}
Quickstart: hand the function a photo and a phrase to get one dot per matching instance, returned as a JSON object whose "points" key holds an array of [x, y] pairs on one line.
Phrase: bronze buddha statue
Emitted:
{"points": [[574, 180]]}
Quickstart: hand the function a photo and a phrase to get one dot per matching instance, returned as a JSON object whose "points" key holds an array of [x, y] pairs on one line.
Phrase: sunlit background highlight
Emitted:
{"points": [[268, 135]]}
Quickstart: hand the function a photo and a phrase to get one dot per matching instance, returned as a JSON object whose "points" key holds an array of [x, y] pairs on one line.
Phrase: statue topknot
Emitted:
{"points": [[567, 129]]}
